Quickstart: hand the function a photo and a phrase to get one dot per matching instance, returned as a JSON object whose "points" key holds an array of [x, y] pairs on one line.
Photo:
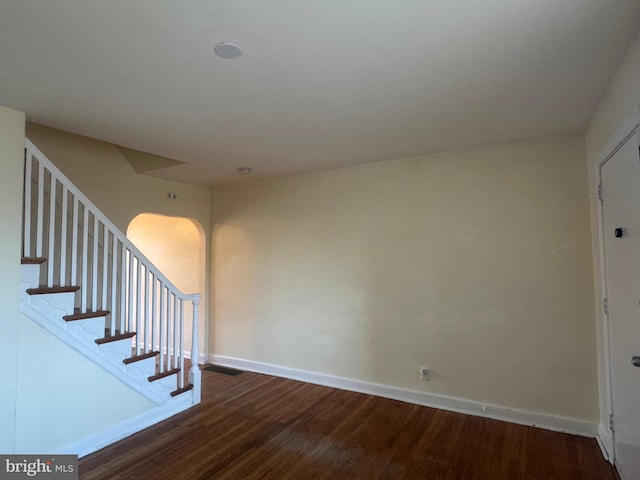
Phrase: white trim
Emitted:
{"points": [[202, 357], [625, 129], [605, 440], [126, 428], [461, 405]]}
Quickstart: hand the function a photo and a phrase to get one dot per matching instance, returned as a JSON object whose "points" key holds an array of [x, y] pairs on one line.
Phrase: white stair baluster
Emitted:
{"points": [[147, 310], [94, 270], [105, 267], [181, 320], [161, 328], [74, 242], [123, 287], [85, 258], [154, 318], [174, 326], [51, 263], [114, 283], [40, 212], [64, 225], [167, 344], [27, 204], [129, 326], [138, 305]]}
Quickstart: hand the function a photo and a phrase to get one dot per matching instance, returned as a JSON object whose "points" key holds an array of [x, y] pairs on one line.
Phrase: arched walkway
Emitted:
{"points": [[176, 245]]}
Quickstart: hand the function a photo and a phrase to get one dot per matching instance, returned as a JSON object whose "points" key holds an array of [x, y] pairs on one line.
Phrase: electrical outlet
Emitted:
{"points": [[425, 374]]}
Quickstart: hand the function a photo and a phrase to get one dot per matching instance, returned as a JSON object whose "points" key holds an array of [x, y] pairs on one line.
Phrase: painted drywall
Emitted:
{"points": [[619, 102], [11, 168], [474, 263], [105, 176], [177, 247], [64, 398]]}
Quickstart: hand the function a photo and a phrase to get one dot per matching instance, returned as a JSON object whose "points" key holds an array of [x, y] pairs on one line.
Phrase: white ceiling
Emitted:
{"points": [[321, 84]]}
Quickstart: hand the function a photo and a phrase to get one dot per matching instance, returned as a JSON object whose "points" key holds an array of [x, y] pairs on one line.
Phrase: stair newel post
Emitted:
{"points": [[194, 373]]}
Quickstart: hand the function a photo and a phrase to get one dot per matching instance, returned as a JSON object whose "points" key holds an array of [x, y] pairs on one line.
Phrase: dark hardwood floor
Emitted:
{"points": [[255, 426]]}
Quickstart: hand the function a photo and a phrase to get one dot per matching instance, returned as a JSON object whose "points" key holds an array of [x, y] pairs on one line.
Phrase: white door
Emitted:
{"points": [[621, 213]]}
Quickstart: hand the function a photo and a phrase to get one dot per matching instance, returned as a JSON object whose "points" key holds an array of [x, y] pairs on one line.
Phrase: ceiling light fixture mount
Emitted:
{"points": [[227, 50], [244, 170]]}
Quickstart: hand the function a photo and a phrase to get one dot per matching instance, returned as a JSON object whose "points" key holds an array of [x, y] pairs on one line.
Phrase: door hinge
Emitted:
{"points": [[605, 305], [611, 424], [600, 192]]}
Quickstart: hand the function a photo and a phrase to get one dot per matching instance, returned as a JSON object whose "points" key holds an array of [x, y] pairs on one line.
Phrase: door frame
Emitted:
{"points": [[628, 128]]}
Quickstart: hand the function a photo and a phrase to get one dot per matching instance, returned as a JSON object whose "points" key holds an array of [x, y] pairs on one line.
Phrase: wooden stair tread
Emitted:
{"points": [[186, 388], [115, 338], [32, 260], [137, 358], [158, 376], [85, 315], [45, 290]]}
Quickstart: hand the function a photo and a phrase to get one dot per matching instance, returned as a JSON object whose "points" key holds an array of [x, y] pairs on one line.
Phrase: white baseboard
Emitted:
{"points": [[605, 442], [202, 358], [125, 428], [461, 405]]}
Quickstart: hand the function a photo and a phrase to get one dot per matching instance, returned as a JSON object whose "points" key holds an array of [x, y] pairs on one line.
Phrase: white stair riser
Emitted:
{"points": [[30, 275], [62, 303], [87, 329], [142, 369], [165, 385], [116, 351]]}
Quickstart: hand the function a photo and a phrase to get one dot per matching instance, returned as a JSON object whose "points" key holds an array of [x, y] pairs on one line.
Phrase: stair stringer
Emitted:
{"points": [[49, 317]]}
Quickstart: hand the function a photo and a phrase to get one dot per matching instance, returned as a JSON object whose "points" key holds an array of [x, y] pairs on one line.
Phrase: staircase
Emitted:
{"points": [[87, 284]]}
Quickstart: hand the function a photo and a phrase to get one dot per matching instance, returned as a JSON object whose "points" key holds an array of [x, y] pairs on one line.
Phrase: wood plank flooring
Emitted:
{"points": [[253, 426]]}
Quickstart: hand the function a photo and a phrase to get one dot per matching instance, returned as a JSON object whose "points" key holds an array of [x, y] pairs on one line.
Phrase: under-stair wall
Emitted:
{"points": [[65, 401]]}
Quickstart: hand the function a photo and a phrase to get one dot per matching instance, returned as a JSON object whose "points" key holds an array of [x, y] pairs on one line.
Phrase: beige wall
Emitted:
{"points": [[11, 167], [619, 102], [474, 263]]}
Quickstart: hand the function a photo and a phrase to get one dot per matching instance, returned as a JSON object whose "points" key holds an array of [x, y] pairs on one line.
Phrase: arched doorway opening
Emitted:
{"points": [[176, 245]]}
